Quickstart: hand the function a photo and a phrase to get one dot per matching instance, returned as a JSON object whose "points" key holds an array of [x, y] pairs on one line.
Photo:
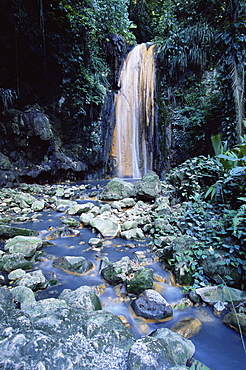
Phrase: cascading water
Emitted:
{"points": [[135, 114]]}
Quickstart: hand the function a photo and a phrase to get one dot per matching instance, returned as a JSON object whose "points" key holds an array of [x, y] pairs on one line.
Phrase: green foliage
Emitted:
{"points": [[230, 186], [90, 23], [192, 38], [217, 232], [194, 176]]}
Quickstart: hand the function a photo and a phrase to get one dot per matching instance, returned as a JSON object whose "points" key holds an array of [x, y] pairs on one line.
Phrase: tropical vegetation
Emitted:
{"points": [[70, 52]]}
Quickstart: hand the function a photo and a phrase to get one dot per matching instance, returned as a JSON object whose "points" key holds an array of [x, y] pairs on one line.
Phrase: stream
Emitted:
{"points": [[217, 346]]}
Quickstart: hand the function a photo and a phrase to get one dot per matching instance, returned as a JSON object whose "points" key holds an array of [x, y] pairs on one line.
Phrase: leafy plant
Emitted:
{"points": [[231, 184]]}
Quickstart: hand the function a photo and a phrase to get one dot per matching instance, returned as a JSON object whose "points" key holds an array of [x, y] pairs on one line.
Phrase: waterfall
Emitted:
{"points": [[135, 114]]}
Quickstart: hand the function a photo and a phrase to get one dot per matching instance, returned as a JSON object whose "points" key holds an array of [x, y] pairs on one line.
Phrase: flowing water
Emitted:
{"points": [[135, 113], [217, 346]]}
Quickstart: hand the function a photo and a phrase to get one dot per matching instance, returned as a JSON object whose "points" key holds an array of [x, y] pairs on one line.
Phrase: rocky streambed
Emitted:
{"points": [[99, 301]]}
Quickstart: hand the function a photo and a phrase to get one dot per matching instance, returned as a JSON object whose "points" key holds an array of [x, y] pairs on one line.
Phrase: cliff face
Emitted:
{"points": [[56, 108]]}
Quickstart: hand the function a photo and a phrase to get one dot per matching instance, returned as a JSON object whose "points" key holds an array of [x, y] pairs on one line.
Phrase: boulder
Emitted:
{"points": [[126, 202], [16, 274], [69, 221], [142, 279], [188, 327], [79, 265], [131, 224], [69, 232], [38, 205], [135, 234], [151, 305], [78, 209], [34, 280], [46, 308], [213, 294], [118, 272], [235, 321], [84, 297], [86, 218], [95, 242], [24, 200], [149, 187], [107, 228], [6, 298], [23, 295], [63, 205], [117, 189], [7, 231], [5, 163], [148, 353], [25, 245], [105, 208], [13, 261], [178, 349], [107, 330], [36, 123]]}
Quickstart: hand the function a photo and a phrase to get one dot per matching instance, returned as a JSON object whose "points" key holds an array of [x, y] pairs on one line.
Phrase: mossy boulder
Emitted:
{"points": [[117, 189], [84, 297], [149, 187], [142, 279], [26, 245], [79, 265]]}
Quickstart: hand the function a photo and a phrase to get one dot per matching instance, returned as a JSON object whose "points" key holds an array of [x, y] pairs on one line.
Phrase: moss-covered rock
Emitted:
{"points": [[117, 189]]}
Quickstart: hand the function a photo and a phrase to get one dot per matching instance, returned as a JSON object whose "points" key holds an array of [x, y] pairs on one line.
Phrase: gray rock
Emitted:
{"points": [[63, 205], [107, 329], [7, 231], [95, 242], [213, 294], [79, 265], [2, 279], [16, 274], [78, 209], [118, 272], [117, 189], [70, 221], [23, 295], [108, 228], [6, 298], [151, 305], [178, 349], [86, 218], [45, 308], [149, 187], [33, 280], [148, 353], [13, 261], [5, 163], [105, 208], [135, 234], [38, 205], [24, 199], [26, 245], [84, 297], [132, 224], [236, 321]]}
